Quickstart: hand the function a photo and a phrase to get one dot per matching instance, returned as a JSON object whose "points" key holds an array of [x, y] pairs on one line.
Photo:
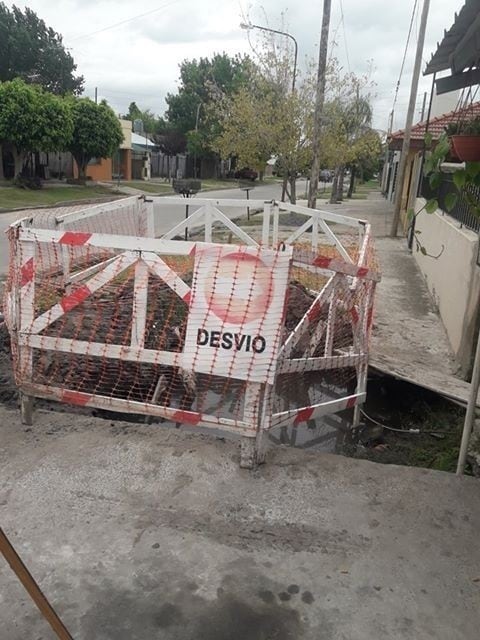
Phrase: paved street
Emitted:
{"points": [[167, 217], [164, 220]]}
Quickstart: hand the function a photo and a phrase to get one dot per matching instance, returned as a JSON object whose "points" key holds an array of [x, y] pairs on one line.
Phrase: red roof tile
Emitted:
{"points": [[438, 124]]}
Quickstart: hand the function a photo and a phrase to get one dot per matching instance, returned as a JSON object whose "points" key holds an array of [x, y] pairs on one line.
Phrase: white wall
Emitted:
{"points": [[453, 279], [127, 134]]}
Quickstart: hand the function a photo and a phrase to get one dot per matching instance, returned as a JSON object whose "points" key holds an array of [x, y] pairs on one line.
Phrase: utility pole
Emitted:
{"points": [[424, 104], [320, 99], [96, 95], [408, 124], [470, 414]]}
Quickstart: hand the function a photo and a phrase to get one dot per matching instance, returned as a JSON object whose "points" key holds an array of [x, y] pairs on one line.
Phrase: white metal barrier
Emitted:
{"points": [[60, 265]]}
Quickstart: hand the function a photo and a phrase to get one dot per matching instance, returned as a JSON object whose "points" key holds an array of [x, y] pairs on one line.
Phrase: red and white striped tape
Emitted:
{"points": [[295, 417], [82, 399], [27, 272], [334, 264], [75, 238]]}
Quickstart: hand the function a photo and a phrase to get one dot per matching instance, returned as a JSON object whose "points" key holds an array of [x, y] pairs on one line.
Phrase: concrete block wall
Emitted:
{"points": [[453, 279]]}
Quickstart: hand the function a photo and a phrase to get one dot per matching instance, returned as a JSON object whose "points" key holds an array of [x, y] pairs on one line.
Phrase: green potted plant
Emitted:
{"points": [[466, 182], [465, 139]]}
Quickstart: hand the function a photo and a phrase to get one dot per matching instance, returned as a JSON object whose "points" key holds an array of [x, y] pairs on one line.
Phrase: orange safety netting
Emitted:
{"points": [[216, 334]]}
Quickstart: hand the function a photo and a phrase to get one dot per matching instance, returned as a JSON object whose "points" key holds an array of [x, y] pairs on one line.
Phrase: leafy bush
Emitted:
{"points": [[464, 128]]}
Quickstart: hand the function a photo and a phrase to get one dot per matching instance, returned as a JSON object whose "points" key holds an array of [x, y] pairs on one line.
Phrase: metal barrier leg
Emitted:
{"points": [[33, 590], [251, 447], [248, 452], [26, 409]]}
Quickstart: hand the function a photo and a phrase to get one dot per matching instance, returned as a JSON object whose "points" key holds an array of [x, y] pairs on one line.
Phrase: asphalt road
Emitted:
{"points": [[166, 217]]}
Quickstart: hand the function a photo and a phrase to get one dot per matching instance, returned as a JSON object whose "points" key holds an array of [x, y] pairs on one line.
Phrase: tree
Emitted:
{"points": [[347, 138], [249, 126], [203, 82], [96, 132], [169, 140], [151, 123], [266, 119], [275, 119], [34, 52], [32, 120]]}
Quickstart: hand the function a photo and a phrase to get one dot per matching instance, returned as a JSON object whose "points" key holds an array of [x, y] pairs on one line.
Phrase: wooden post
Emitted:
{"points": [[314, 233], [25, 310], [276, 214], [208, 222], [267, 210], [251, 453], [150, 212], [470, 414], [409, 121], [66, 262], [32, 588], [362, 345], [139, 310], [319, 100]]}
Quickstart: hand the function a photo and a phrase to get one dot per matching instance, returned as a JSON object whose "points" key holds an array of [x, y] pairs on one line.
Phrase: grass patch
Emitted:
{"points": [[14, 198], [230, 183], [147, 187], [369, 185], [213, 183]]}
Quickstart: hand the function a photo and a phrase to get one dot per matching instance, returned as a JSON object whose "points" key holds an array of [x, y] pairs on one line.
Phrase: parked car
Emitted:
{"points": [[325, 175], [246, 174]]}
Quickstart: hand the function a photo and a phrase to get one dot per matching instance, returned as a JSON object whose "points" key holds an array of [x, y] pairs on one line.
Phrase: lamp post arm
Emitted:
{"points": [[288, 35]]}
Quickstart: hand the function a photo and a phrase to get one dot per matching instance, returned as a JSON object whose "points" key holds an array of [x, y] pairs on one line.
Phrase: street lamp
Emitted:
{"points": [[248, 26]]}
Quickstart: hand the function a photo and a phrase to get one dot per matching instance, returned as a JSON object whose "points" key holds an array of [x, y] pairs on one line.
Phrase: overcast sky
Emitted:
{"points": [[138, 60]]}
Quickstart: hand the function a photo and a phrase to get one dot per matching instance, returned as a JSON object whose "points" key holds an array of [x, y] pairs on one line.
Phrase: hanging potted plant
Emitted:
{"points": [[465, 139]]}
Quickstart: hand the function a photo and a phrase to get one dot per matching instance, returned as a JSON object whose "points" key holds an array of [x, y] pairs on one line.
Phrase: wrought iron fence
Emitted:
{"points": [[462, 211]]}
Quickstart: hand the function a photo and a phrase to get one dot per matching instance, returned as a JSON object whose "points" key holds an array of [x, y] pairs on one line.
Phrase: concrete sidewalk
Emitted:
{"points": [[409, 340], [140, 533]]}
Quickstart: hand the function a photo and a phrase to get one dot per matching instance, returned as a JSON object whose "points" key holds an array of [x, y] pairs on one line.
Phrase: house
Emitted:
{"points": [[412, 183], [141, 156], [106, 169], [452, 238]]}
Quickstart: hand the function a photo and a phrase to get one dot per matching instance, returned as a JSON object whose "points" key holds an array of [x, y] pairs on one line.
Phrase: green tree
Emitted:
{"points": [[152, 124], [203, 82], [96, 132], [32, 120], [32, 51], [348, 139], [249, 126], [262, 120]]}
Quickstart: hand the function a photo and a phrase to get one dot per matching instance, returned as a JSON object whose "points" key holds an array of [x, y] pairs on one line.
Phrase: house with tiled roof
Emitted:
{"points": [[435, 127], [445, 242], [454, 276]]}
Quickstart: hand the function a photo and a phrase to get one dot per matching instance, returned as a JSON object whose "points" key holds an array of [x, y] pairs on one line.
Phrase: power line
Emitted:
{"points": [[405, 53], [344, 35], [118, 24]]}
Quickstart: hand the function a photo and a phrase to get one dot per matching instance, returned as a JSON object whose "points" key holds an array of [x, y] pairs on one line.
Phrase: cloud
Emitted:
{"points": [[139, 60]]}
